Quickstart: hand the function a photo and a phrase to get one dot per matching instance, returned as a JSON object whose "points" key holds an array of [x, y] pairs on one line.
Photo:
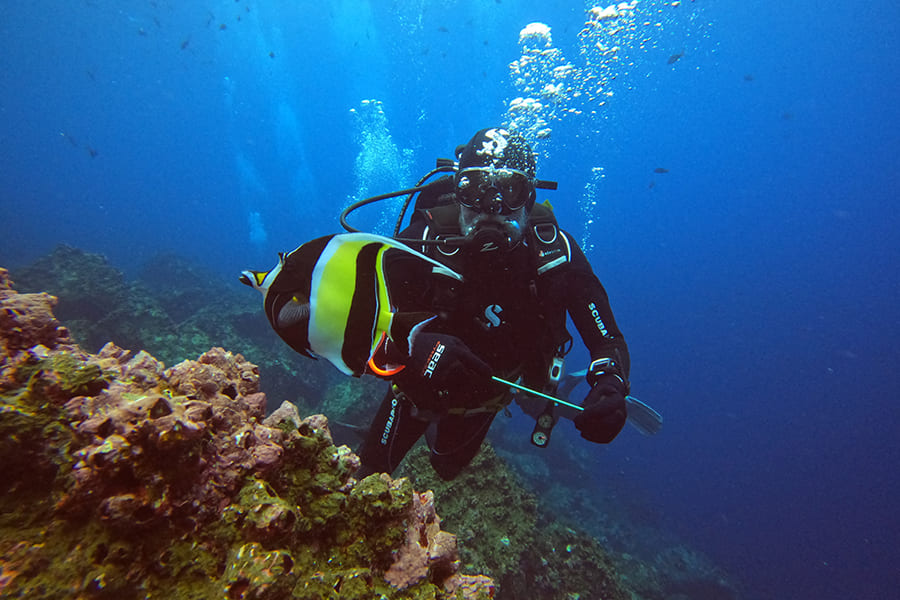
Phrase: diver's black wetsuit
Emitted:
{"points": [[509, 315]]}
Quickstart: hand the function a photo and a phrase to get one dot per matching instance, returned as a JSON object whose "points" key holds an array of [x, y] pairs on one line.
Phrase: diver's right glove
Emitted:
{"points": [[442, 372], [604, 411]]}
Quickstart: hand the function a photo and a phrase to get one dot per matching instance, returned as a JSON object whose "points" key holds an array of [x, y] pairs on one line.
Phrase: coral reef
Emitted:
{"points": [[559, 545], [183, 459], [504, 536], [124, 479], [174, 311]]}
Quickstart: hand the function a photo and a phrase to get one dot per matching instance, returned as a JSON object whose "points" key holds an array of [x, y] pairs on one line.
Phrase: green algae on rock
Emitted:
{"points": [[137, 481]]}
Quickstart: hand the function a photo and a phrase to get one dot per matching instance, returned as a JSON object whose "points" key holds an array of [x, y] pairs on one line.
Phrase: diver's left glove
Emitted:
{"points": [[443, 372], [604, 411]]}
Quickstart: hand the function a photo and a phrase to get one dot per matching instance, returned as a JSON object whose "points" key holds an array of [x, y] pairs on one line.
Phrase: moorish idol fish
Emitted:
{"points": [[330, 298]]}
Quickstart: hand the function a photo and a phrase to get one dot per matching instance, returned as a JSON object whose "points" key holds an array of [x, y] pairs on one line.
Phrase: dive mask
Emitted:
{"points": [[494, 191]]}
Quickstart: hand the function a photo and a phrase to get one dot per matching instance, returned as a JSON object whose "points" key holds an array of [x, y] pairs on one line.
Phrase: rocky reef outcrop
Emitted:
{"points": [[174, 310], [505, 534], [124, 479]]}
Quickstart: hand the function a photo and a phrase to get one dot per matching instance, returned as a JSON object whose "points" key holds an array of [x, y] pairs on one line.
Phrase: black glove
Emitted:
{"points": [[604, 411], [443, 373]]}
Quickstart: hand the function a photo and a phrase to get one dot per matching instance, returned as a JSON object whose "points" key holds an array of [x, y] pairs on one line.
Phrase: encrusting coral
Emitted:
{"points": [[506, 536], [124, 479], [172, 317]]}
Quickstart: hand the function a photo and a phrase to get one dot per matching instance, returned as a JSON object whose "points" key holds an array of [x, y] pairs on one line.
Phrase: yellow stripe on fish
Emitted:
{"points": [[342, 280]]}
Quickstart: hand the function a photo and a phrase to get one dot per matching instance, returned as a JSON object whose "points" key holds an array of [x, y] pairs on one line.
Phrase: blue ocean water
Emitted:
{"points": [[732, 169]]}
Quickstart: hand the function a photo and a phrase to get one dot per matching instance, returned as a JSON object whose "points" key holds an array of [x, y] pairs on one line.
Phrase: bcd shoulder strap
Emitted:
{"points": [[550, 245], [441, 222]]}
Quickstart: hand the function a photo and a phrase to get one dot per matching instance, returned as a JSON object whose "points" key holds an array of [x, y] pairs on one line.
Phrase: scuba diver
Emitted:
{"points": [[468, 302], [501, 279]]}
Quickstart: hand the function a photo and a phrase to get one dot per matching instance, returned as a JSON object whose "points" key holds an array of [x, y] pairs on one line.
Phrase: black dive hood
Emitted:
{"points": [[486, 234]]}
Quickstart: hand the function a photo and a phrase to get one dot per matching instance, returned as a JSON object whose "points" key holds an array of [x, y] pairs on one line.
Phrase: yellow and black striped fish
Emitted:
{"points": [[330, 298]]}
